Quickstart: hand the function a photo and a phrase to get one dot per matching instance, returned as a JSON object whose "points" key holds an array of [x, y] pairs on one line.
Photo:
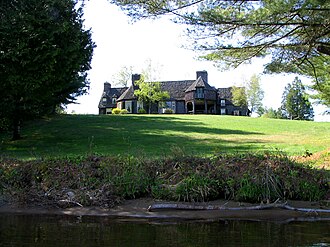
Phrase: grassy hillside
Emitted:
{"points": [[159, 135]]}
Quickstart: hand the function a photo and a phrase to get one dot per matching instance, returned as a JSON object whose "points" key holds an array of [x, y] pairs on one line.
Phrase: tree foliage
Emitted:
{"points": [[45, 54], [123, 76], [272, 113], [239, 96], [295, 102], [150, 71], [254, 93], [150, 92], [294, 33]]}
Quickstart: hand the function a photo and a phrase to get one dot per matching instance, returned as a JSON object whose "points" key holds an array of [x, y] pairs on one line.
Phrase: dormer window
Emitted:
{"points": [[104, 100], [114, 99]]}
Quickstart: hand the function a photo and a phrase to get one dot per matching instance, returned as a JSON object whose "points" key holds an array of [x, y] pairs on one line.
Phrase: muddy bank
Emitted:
{"points": [[138, 210], [98, 186]]}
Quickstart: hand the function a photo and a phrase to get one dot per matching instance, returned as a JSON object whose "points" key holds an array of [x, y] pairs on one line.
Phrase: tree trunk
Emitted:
{"points": [[16, 129]]}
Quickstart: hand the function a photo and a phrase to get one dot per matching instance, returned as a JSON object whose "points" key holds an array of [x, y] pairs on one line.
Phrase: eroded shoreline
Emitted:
{"points": [[137, 209]]}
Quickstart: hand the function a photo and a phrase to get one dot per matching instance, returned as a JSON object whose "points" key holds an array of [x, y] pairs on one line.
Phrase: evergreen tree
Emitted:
{"points": [[295, 102], [45, 54]]}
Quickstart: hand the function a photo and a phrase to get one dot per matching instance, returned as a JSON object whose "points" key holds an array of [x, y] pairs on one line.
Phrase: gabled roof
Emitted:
{"points": [[110, 93], [200, 83], [128, 94]]}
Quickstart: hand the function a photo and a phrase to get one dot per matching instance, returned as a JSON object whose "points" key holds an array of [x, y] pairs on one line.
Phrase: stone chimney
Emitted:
{"points": [[107, 86], [202, 74], [135, 77]]}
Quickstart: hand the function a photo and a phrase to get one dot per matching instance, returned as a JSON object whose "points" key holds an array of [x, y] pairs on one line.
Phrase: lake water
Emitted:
{"points": [[31, 230]]}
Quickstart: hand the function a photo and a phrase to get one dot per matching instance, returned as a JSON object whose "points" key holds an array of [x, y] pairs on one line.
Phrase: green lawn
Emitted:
{"points": [[158, 135]]}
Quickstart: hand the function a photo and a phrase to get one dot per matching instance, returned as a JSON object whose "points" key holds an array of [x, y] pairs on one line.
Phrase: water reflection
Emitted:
{"points": [[27, 230]]}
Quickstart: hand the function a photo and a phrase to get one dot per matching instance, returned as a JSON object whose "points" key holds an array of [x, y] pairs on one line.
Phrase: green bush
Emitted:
{"points": [[4, 124], [142, 111], [116, 111], [123, 111], [168, 111]]}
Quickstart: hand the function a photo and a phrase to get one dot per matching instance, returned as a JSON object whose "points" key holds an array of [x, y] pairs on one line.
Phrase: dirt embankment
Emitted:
{"points": [[98, 185]]}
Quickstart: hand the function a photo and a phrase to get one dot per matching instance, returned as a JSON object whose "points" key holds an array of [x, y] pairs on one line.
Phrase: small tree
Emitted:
{"points": [[295, 102], [239, 96], [272, 113], [254, 93], [123, 76], [149, 93]]}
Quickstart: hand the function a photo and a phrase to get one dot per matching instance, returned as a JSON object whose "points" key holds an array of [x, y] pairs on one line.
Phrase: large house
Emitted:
{"points": [[188, 96]]}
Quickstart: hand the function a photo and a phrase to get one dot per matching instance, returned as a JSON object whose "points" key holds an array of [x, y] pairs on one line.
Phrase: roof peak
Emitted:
{"points": [[199, 83]]}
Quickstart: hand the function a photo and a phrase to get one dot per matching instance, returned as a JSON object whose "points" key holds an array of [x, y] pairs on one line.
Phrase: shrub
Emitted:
{"points": [[4, 124], [168, 111], [196, 188], [142, 111], [116, 111], [123, 111]]}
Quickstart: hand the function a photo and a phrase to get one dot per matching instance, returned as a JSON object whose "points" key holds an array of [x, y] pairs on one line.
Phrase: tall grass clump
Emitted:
{"points": [[242, 177]]}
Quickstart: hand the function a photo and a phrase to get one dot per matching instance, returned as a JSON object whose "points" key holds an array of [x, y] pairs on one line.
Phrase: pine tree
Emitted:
{"points": [[295, 102], [45, 53]]}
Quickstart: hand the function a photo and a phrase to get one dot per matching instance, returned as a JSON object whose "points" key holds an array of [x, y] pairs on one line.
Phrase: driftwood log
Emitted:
{"points": [[179, 206]]}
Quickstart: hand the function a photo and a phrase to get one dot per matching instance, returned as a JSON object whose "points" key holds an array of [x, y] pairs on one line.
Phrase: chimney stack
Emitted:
{"points": [[135, 77], [107, 86], [202, 74]]}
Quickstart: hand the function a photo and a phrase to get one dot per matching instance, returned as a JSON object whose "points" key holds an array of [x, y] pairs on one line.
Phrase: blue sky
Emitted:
{"points": [[123, 43]]}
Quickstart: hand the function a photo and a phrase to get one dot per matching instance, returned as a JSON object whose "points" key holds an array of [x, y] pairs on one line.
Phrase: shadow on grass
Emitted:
{"points": [[134, 135]]}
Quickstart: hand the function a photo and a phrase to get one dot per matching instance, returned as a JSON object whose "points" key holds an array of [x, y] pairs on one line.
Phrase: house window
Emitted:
{"points": [[223, 111], [104, 100], [199, 93], [170, 104], [167, 105], [128, 106], [237, 113], [114, 100], [139, 105], [223, 102]]}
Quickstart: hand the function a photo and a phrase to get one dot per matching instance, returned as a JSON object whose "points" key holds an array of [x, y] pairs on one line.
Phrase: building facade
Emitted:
{"points": [[186, 97]]}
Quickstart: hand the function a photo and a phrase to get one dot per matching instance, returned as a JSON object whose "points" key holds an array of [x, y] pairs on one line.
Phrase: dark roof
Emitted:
{"points": [[109, 94], [176, 89], [200, 83], [128, 94], [225, 93]]}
